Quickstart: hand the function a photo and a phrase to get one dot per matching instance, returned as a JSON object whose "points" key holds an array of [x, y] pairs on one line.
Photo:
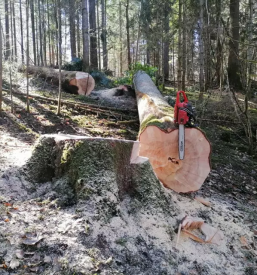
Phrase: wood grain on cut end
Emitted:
{"points": [[162, 150], [85, 83]]}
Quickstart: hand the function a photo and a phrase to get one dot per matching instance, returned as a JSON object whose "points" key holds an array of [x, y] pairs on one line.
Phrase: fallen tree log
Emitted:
{"points": [[158, 138], [72, 81]]}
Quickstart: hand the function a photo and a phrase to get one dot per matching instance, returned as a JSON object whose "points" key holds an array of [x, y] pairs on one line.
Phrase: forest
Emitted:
{"points": [[92, 178]]}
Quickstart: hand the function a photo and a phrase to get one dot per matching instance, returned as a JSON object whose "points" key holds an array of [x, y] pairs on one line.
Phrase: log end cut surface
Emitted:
{"points": [[85, 83], [162, 150]]}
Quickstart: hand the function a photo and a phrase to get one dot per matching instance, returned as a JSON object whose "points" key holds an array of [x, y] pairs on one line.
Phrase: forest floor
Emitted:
{"points": [[231, 188]]}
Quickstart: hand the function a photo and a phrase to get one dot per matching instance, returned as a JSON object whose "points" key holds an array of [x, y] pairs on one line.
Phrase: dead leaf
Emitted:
{"points": [[212, 234], [193, 237], [7, 204], [203, 201], [191, 223], [6, 220], [244, 242]]}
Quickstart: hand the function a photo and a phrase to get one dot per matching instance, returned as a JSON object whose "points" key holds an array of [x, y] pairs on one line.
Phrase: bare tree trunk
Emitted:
{"points": [[49, 34], [14, 32], [201, 53], [179, 69], [233, 58], [33, 30], [1, 66], [85, 35], [78, 29], [59, 14], [93, 39], [184, 56], [72, 29], [104, 35], [11, 35], [7, 30], [166, 41], [120, 40], [44, 32], [218, 46], [40, 34], [27, 52], [98, 37], [22, 46], [128, 37]]}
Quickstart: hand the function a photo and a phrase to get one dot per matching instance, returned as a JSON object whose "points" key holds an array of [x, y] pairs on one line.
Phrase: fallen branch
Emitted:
{"points": [[88, 107]]}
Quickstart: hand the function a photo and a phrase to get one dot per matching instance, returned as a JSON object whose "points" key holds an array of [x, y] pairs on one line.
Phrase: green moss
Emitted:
{"points": [[163, 123]]}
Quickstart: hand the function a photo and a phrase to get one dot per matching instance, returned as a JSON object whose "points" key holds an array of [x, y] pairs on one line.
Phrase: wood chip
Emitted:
{"points": [[203, 201]]}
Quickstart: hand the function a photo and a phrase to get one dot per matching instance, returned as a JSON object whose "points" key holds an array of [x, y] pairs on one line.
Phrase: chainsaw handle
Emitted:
{"points": [[178, 97]]}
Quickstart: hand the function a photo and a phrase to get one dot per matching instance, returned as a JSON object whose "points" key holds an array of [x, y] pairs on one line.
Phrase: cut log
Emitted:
{"points": [[158, 138], [72, 81]]}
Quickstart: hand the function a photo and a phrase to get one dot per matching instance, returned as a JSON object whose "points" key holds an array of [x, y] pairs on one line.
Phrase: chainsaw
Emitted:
{"points": [[183, 116]]}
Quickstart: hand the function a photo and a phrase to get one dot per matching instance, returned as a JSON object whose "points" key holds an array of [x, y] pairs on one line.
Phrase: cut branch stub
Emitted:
{"points": [[158, 138]]}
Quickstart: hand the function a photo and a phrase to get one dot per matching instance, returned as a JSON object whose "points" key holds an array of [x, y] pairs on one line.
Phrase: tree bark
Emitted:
{"points": [[22, 45], [33, 31], [1, 66], [72, 29], [166, 41], [201, 53], [7, 31], [128, 36], [85, 35], [179, 68], [40, 34], [14, 32], [104, 35], [93, 39], [59, 13], [233, 58], [158, 138], [72, 81]]}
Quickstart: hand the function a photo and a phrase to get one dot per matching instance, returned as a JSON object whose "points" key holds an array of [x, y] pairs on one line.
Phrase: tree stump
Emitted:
{"points": [[158, 138]]}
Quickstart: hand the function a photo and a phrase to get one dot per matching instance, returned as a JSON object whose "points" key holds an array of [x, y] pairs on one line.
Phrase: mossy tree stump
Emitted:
{"points": [[158, 138]]}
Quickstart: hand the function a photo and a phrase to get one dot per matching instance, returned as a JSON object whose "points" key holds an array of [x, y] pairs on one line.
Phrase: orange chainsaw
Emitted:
{"points": [[183, 116]]}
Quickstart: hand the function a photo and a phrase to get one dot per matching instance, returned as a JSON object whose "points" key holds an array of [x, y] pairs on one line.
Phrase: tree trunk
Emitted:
{"points": [[166, 42], [14, 32], [93, 39], [184, 55], [40, 34], [85, 35], [72, 29], [104, 35], [158, 138], [7, 31], [179, 68], [22, 45], [201, 53], [120, 41], [72, 81], [128, 37], [98, 37], [1, 66], [33, 31], [233, 58], [27, 53], [78, 28], [59, 13]]}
